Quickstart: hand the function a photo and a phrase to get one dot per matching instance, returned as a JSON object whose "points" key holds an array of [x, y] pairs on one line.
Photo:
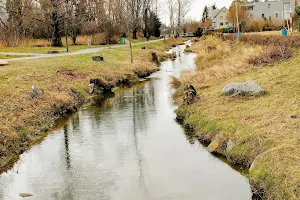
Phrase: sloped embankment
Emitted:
{"points": [[261, 133], [61, 86]]}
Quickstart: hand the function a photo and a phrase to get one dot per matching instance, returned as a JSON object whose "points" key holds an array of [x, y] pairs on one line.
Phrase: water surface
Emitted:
{"points": [[128, 147]]}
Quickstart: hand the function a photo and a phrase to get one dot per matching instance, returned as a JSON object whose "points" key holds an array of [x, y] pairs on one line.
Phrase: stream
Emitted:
{"points": [[127, 147]]}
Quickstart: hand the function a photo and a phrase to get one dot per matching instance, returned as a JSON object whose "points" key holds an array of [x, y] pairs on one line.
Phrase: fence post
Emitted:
{"points": [[131, 51]]}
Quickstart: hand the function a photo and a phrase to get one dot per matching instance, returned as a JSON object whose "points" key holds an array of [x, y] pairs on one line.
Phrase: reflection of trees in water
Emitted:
{"points": [[136, 120], [67, 151], [75, 121], [143, 105]]}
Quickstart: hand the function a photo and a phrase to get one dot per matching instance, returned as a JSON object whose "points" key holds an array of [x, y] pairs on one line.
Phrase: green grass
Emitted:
{"points": [[265, 130]]}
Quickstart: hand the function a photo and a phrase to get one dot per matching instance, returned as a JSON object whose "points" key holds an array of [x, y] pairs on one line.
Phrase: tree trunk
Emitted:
{"points": [[74, 39], [19, 17], [134, 32], [56, 37]]}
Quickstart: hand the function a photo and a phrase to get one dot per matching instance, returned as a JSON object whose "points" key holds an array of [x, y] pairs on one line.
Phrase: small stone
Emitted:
{"points": [[3, 62], [52, 52], [229, 145], [25, 195], [36, 92], [143, 47], [98, 58]]}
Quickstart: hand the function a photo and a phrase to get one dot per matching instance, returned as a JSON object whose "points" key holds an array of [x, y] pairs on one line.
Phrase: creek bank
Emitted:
{"points": [[12, 147]]}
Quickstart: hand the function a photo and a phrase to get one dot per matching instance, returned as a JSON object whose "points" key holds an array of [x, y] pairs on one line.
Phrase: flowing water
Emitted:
{"points": [[128, 147]]}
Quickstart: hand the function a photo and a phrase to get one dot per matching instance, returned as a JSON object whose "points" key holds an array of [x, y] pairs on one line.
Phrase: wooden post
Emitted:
{"points": [[131, 51], [237, 18]]}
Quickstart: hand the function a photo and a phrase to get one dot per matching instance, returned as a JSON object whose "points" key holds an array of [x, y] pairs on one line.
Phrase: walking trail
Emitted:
{"points": [[79, 52]]}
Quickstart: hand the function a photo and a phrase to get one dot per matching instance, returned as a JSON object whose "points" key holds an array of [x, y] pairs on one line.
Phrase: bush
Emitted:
{"points": [[268, 40], [272, 55], [198, 32]]}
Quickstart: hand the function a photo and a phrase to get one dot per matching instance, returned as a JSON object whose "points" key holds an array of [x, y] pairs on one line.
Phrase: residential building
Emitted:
{"points": [[271, 10], [219, 18]]}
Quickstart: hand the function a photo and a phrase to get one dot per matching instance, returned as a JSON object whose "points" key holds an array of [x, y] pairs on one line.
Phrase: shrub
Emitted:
{"points": [[268, 40], [198, 32], [272, 55]]}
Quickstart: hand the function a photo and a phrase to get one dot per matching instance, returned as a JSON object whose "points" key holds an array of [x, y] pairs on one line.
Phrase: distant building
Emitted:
{"points": [[219, 18], [271, 10]]}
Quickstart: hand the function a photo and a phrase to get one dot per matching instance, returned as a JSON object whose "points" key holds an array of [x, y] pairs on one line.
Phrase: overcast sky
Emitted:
{"points": [[196, 12]]}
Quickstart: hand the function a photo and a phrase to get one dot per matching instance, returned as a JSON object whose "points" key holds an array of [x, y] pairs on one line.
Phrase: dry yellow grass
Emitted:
{"points": [[23, 119], [264, 131]]}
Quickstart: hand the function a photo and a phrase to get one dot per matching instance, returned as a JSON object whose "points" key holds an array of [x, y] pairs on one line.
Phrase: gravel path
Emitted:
{"points": [[79, 52]]}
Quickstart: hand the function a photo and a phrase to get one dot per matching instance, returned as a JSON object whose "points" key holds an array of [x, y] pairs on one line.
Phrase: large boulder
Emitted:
{"points": [[249, 88], [3, 62]]}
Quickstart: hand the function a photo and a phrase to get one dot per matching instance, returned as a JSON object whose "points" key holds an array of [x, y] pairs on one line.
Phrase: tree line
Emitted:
{"points": [[52, 19]]}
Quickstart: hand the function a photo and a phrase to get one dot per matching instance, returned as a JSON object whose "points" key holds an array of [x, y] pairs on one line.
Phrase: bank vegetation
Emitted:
{"points": [[261, 133]]}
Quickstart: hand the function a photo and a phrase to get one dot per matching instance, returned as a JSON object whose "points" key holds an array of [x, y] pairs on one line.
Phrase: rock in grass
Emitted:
{"points": [[143, 47], [52, 52], [25, 195], [249, 88], [190, 94], [36, 92], [98, 58], [3, 62]]}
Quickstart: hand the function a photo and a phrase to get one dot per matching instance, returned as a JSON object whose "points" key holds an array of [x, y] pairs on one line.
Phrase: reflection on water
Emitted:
{"points": [[128, 147]]}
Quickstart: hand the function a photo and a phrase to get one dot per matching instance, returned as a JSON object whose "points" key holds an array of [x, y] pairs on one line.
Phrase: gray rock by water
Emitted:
{"points": [[249, 88]]}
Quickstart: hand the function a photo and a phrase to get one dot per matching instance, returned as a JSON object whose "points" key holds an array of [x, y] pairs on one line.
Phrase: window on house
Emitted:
{"points": [[276, 15], [263, 16], [269, 6], [221, 24]]}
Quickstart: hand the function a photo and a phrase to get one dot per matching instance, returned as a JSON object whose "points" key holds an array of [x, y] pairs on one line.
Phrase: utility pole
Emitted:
{"points": [[237, 18]]}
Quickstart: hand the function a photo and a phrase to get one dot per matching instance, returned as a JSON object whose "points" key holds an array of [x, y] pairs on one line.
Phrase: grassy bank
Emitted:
{"points": [[65, 82], [261, 133]]}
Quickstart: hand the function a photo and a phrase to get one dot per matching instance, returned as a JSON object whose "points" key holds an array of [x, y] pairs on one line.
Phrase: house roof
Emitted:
{"points": [[215, 13]]}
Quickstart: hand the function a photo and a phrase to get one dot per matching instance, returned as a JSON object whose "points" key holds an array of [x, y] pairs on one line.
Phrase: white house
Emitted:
{"points": [[219, 18], [271, 10]]}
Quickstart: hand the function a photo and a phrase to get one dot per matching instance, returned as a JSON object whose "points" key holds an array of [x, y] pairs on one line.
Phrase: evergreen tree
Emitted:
{"points": [[205, 14], [155, 25]]}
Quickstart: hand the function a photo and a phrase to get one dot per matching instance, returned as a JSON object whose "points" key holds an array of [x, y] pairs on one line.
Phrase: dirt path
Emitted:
{"points": [[82, 51]]}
